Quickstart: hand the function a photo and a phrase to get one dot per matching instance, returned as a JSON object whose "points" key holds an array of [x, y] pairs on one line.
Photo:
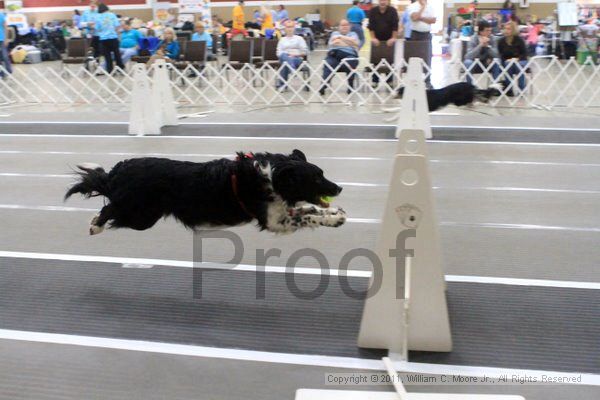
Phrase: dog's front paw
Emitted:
{"points": [[335, 217]]}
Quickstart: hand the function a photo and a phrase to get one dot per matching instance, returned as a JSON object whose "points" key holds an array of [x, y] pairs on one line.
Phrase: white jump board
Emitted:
{"points": [[314, 394]]}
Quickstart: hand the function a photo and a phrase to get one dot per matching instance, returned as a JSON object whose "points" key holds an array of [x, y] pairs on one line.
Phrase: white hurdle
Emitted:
{"points": [[408, 311], [152, 105]]}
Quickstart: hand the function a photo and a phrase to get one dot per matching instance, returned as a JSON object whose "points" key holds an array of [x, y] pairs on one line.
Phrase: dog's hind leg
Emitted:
{"points": [[97, 223]]}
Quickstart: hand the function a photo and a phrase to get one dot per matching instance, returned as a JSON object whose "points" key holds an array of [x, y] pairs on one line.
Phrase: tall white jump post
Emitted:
{"points": [[408, 310]]}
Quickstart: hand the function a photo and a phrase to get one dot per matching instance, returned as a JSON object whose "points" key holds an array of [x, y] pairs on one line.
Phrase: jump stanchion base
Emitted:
{"points": [[409, 228]]}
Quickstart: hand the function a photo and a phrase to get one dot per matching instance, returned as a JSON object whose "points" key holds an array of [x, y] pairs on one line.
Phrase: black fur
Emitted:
{"points": [[142, 190], [460, 94]]}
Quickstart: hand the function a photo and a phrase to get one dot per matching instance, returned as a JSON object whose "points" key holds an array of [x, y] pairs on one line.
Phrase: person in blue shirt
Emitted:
{"points": [[106, 27], [355, 15], [202, 36], [129, 42], [282, 14], [4, 59], [88, 22], [406, 22], [169, 46]]}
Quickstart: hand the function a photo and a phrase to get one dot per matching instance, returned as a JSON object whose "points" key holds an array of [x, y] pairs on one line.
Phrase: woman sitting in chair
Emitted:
{"points": [[343, 53]]}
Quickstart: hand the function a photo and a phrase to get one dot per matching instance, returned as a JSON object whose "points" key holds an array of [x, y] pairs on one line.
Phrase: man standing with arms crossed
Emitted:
{"points": [[422, 17]]}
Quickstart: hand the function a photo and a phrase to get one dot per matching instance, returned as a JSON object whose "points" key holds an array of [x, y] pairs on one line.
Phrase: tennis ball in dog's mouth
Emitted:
{"points": [[325, 201]]}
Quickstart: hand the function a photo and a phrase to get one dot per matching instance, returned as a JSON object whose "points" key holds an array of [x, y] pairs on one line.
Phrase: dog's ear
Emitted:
{"points": [[298, 155]]}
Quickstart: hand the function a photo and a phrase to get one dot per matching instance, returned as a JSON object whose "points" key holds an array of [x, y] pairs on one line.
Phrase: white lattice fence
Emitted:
{"points": [[549, 82]]}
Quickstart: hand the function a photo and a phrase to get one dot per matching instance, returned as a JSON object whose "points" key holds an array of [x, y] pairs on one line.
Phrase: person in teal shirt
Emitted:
{"points": [[129, 43], [355, 15], [106, 26]]}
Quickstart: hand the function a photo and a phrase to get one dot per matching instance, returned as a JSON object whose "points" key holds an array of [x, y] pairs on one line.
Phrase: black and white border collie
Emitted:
{"points": [[459, 94], [283, 193]]}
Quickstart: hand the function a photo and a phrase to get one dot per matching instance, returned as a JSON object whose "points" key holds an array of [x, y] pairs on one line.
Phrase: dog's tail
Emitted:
{"points": [[93, 181]]}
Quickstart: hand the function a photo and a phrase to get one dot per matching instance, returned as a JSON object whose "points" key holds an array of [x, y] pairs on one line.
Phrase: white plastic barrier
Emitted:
{"points": [[152, 104]]}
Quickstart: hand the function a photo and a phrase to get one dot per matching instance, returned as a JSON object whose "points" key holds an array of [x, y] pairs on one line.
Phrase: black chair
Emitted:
{"points": [[257, 49], [76, 51], [378, 54], [240, 55], [194, 54]]}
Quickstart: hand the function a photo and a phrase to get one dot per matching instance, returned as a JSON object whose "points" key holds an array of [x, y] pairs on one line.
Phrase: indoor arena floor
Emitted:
{"points": [[115, 316]]}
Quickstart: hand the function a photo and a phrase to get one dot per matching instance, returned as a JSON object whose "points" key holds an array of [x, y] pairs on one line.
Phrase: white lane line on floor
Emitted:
{"points": [[496, 143], [285, 358], [299, 270], [269, 138], [491, 225], [179, 263]]}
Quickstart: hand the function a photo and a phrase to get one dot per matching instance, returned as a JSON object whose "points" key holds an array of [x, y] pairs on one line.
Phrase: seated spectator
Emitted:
{"points": [[200, 35], [513, 53], [343, 49], [129, 43], [483, 47], [170, 44], [291, 50], [168, 48]]}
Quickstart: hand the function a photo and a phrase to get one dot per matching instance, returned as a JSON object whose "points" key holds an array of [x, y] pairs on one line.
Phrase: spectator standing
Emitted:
{"points": [[383, 24], [129, 42], [106, 26], [422, 16], [4, 58], [282, 14], [355, 15], [291, 50], [513, 53], [343, 49], [88, 21], [405, 22], [483, 47], [76, 18], [239, 20]]}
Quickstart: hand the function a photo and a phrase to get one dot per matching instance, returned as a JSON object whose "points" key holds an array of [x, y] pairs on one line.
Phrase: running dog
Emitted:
{"points": [[460, 94], [283, 193]]}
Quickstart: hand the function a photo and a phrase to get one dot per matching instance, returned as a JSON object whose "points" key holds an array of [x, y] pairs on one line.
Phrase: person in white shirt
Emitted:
{"points": [[291, 50], [422, 16]]}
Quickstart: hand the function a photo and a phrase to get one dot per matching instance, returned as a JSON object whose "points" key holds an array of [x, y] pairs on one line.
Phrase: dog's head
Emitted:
{"points": [[296, 180]]}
